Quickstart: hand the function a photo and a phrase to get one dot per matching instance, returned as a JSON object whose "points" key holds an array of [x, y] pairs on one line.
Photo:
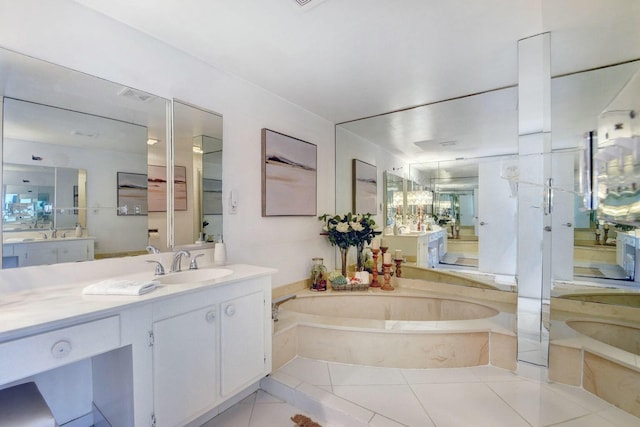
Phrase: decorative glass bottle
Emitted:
{"points": [[318, 275]]}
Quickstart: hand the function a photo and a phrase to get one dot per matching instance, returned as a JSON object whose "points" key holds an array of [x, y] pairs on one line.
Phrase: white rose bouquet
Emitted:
{"points": [[349, 229]]}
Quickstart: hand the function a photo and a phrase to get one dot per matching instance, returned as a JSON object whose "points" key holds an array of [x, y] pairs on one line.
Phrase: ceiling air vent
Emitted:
{"points": [[307, 4], [137, 95]]}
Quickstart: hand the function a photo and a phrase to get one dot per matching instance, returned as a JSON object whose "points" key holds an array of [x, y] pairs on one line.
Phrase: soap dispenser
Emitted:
{"points": [[219, 253], [78, 230]]}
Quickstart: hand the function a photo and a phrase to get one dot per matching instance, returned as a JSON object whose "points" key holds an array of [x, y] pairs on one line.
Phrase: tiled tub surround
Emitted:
{"points": [[420, 324], [597, 346]]}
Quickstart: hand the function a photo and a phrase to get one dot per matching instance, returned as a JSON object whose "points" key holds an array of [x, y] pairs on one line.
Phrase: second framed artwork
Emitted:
{"points": [[289, 175], [157, 188], [365, 188]]}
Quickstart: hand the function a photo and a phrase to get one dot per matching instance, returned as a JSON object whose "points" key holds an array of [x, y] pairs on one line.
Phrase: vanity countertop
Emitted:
{"points": [[14, 240], [38, 309], [416, 233]]}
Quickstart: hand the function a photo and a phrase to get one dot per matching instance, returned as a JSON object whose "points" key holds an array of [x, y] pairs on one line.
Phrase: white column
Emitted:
{"points": [[534, 148]]}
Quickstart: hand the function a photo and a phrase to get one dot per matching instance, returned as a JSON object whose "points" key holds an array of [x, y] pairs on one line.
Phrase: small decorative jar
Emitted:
{"points": [[318, 275]]}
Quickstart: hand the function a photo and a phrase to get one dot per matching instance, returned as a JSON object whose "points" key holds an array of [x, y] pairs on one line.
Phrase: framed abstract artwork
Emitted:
{"points": [[157, 186], [132, 194], [365, 188], [289, 175]]}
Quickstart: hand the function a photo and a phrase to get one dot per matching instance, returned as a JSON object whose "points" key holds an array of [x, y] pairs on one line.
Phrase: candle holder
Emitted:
{"points": [[383, 250], [386, 268], [374, 281], [398, 267]]}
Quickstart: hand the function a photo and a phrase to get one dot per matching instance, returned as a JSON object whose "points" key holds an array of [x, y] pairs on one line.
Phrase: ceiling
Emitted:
{"points": [[47, 103], [346, 60]]}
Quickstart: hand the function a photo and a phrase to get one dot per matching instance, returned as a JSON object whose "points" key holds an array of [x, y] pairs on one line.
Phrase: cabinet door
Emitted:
{"points": [[422, 257], [242, 345], [72, 251], [36, 254], [184, 366]]}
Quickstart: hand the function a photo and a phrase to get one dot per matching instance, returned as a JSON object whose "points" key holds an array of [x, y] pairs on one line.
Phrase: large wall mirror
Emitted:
{"points": [[76, 154], [586, 247], [198, 149], [443, 169], [595, 294]]}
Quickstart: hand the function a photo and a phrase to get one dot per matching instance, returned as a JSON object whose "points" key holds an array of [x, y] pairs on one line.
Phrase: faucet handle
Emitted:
{"points": [[159, 267], [152, 249], [193, 265]]}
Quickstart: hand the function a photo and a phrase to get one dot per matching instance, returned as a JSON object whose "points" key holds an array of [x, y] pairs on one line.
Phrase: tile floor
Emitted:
{"points": [[389, 397]]}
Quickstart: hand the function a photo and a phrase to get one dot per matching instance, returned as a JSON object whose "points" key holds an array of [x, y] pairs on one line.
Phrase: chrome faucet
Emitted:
{"points": [[152, 249], [54, 233], [275, 304], [159, 267], [177, 258]]}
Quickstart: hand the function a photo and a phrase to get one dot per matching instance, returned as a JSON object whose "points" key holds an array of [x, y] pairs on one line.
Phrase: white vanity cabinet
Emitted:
{"points": [[418, 245], [53, 251], [204, 354], [171, 357]]}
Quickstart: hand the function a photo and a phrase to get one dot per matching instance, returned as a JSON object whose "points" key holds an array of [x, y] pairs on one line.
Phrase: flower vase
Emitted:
{"points": [[360, 256], [343, 258]]}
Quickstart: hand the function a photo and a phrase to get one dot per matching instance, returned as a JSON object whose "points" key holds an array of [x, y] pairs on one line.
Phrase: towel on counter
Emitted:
{"points": [[121, 287]]}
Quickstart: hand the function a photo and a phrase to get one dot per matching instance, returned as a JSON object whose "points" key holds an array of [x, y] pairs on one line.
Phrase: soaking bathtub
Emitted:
{"points": [[597, 346], [407, 328]]}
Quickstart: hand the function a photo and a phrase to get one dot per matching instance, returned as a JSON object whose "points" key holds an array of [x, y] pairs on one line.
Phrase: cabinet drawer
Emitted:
{"points": [[28, 356]]}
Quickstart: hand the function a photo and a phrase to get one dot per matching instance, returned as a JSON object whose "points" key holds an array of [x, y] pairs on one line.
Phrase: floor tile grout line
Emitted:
{"points": [[253, 407], [332, 392], [422, 405], [507, 403]]}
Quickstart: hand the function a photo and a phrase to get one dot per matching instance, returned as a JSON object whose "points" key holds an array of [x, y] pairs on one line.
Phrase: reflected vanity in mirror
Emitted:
{"points": [[66, 137]]}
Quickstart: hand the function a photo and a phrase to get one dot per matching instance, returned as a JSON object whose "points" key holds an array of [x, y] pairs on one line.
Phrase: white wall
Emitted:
{"points": [[68, 34]]}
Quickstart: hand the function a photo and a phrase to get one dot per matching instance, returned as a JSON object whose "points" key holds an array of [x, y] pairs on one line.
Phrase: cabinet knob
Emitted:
{"points": [[230, 310], [210, 316], [61, 349]]}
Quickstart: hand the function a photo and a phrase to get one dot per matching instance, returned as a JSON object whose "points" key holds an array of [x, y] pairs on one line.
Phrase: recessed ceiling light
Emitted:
{"points": [[447, 143], [307, 4], [152, 141], [88, 134]]}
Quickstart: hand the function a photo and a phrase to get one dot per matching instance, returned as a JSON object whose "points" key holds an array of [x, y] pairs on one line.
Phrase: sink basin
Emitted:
{"points": [[193, 276]]}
